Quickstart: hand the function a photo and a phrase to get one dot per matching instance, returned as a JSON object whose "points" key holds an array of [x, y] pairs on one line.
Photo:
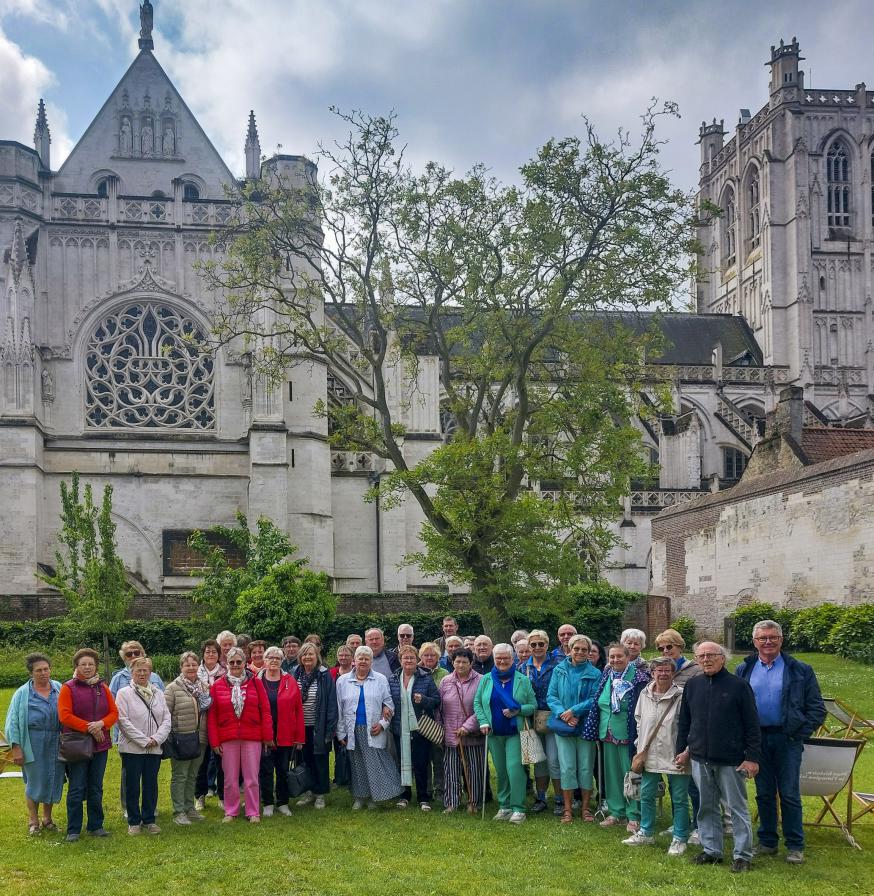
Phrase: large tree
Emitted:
{"points": [[507, 287]]}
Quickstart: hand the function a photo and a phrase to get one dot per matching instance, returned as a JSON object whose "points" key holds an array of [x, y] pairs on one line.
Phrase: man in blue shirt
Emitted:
{"points": [[790, 709]]}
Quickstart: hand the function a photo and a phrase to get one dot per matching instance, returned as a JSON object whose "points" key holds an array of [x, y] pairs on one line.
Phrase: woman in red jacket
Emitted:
{"points": [[239, 724], [286, 709]]}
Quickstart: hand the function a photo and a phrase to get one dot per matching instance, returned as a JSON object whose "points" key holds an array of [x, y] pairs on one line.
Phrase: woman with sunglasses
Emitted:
{"points": [[239, 724], [670, 643]]}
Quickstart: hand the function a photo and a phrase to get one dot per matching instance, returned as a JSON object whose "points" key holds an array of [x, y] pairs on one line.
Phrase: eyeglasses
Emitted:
{"points": [[235, 662], [537, 643], [708, 656], [666, 646], [132, 653], [768, 637]]}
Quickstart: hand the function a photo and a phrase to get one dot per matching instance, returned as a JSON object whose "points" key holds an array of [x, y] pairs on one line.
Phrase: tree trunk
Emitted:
{"points": [[106, 657], [497, 622]]}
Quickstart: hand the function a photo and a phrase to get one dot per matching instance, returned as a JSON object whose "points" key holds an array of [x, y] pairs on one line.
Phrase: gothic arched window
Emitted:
{"points": [[190, 191], [729, 231], [754, 215], [837, 170], [145, 367]]}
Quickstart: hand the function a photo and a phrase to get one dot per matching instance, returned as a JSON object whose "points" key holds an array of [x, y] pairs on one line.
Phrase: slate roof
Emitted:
{"points": [[821, 443]]}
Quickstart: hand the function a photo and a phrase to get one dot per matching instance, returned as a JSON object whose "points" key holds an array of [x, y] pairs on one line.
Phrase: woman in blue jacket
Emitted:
{"points": [[572, 691]]}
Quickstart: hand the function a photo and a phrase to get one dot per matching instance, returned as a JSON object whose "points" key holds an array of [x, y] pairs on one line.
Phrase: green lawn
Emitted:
{"points": [[338, 852]]}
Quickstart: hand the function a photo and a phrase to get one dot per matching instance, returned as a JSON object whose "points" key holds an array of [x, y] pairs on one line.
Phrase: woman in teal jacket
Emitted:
{"points": [[572, 691], [504, 697]]}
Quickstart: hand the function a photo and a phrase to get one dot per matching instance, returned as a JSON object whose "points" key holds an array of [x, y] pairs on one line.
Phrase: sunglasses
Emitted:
{"points": [[131, 653], [667, 646], [537, 643], [404, 635]]}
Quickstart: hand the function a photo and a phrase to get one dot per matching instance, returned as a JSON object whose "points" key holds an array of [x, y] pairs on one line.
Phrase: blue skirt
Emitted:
{"points": [[44, 777]]}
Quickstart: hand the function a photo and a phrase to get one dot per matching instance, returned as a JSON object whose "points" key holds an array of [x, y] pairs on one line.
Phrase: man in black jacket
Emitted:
{"points": [[790, 709], [719, 731]]}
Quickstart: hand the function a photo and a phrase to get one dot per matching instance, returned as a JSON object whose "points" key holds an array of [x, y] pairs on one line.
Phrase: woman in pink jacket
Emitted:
{"points": [[464, 754], [239, 724]]}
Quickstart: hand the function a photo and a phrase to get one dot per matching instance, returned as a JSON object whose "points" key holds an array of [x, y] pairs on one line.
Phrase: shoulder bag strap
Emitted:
{"points": [[655, 730], [149, 708]]}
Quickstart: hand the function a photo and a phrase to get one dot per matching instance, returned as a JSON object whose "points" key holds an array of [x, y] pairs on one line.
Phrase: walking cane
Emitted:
{"points": [[465, 774], [485, 776]]}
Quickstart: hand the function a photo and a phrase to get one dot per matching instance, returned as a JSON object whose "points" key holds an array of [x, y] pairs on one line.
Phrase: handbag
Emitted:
{"points": [[532, 748], [541, 720], [638, 761], [300, 779], [430, 729], [181, 746], [75, 746], [560, 727], [631, 785]]}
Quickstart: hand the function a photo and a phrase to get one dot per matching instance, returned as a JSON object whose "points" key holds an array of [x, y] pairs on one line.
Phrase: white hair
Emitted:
{"points": [[363, 650], [502, 648], [223, 636], [768, 625], [635, 633]]}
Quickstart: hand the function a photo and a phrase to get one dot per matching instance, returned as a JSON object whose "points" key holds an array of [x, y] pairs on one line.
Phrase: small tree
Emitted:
{"points": [[89, 573], [223, 581]]}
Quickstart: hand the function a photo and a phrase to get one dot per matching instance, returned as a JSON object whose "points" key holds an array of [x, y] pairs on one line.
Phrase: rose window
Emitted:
{"points": [[145, 366]]}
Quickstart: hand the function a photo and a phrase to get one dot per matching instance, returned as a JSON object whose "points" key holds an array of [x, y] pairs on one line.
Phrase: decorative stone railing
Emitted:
{"points": [[740, 424], [834, 376], [153, 210], [351, 462], [79, 208], [659, 498], [207, 213]]}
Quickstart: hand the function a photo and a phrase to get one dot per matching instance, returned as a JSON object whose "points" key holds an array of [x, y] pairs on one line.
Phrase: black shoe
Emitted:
{"points": [[100, 832], [538, 806], [739, 865], [72, 837], [706, 858]]}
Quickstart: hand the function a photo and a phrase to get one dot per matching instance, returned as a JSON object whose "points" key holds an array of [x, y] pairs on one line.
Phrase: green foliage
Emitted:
{"points": [[287, 599], [811, 626], [89, 573], [685, 625], [427, 626], [747, 616], [223, 582], [852, 637]]}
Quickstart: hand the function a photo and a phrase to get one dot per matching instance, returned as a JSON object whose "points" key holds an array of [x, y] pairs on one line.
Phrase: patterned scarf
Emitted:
{"points": [[304, 680], [146, 691], [618, 689], [238, 695], [197, 691]]}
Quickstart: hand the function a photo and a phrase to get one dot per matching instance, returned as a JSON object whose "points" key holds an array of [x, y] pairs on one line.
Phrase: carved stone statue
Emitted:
{"points": [[148, 140], [169, 145], [48, 386], [125, 141], [146, 19]]}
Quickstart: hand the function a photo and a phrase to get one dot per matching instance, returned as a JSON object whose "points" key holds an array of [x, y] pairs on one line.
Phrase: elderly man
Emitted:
{"points": [[383, 662], [719, 731], [565, 633], [790, 709], [405, 637], [290, 650], [482, 651]]}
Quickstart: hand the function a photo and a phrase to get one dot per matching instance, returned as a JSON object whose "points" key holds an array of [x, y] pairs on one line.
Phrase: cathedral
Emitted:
{"points": [[102, 309]]}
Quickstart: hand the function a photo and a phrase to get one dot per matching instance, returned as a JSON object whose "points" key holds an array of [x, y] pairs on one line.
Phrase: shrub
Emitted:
{"points": [[287, 599], [853, 636], [685, 625], [746, 617], [812, 626]]}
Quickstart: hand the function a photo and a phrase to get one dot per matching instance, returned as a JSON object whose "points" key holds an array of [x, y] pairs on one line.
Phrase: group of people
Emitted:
{"points": [[245, 719]]}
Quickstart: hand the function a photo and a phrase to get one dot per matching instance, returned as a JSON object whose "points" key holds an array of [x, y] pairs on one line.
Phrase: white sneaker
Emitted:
{"points": [[319, 803], [503, 815], [694, 838], [268, 811], [668, 832], [199, 804], [283, 810], [517, 818], [638, 838], [358, 804], [306, 799], [677, 847], [194, 815], [181, 818]]}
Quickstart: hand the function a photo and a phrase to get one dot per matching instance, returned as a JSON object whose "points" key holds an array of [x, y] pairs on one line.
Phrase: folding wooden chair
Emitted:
{"points": [[867, 802], [826, 771], [844, 721]]}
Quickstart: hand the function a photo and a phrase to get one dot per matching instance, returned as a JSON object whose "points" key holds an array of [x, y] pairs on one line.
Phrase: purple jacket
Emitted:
{"points": [[456, 707]]}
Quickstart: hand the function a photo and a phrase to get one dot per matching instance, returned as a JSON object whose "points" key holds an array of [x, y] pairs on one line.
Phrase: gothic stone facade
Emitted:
{"points": [[100, 302]]}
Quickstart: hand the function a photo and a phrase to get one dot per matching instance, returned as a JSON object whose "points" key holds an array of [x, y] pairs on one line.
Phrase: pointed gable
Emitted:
{"points": [[147, 136]]}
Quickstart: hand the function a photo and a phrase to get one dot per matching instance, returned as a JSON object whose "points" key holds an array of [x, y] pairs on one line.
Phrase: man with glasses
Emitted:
{"points": [[719, 732], [405, 638], [790, 709], [565, 633]]}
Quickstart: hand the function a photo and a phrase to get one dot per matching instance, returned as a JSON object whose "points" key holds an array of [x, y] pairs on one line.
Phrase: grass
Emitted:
{"points": [[338, 852]]}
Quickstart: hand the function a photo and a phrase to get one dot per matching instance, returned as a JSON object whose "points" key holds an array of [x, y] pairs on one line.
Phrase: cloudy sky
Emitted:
{"points": [[470, 80]]}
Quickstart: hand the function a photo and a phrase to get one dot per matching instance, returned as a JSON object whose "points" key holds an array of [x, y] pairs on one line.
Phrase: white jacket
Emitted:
{"points": [[376, 696], [650, 708], [136, 724]]}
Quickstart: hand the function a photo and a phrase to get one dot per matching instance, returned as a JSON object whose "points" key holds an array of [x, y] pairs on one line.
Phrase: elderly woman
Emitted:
{"points": [[209, 774], [344, 662], [597, 657], [635, 640], [414, 695], [464, 754], [523, 652], [188, 699], [571, 695], [611, 721], [670, 643], [239, 723], [657, 715], [33, 731], [226, 640], [365, 709], [86, 706], [319, 694], [453, 643], [143, 726], [353, 642], [429, 660], [538, 670], [342, 771], [286, 717], [503, 699]]}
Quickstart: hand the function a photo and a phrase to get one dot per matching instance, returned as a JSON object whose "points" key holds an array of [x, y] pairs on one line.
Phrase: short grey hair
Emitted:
{"points": [[189, 655], [274, 651], [720, 647], [538, 633], [662, 661], [502, 648], [363, 650], [768, 625], [374, 630], [225, 635], [635, 633], [236, 651], [575, 639]]}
